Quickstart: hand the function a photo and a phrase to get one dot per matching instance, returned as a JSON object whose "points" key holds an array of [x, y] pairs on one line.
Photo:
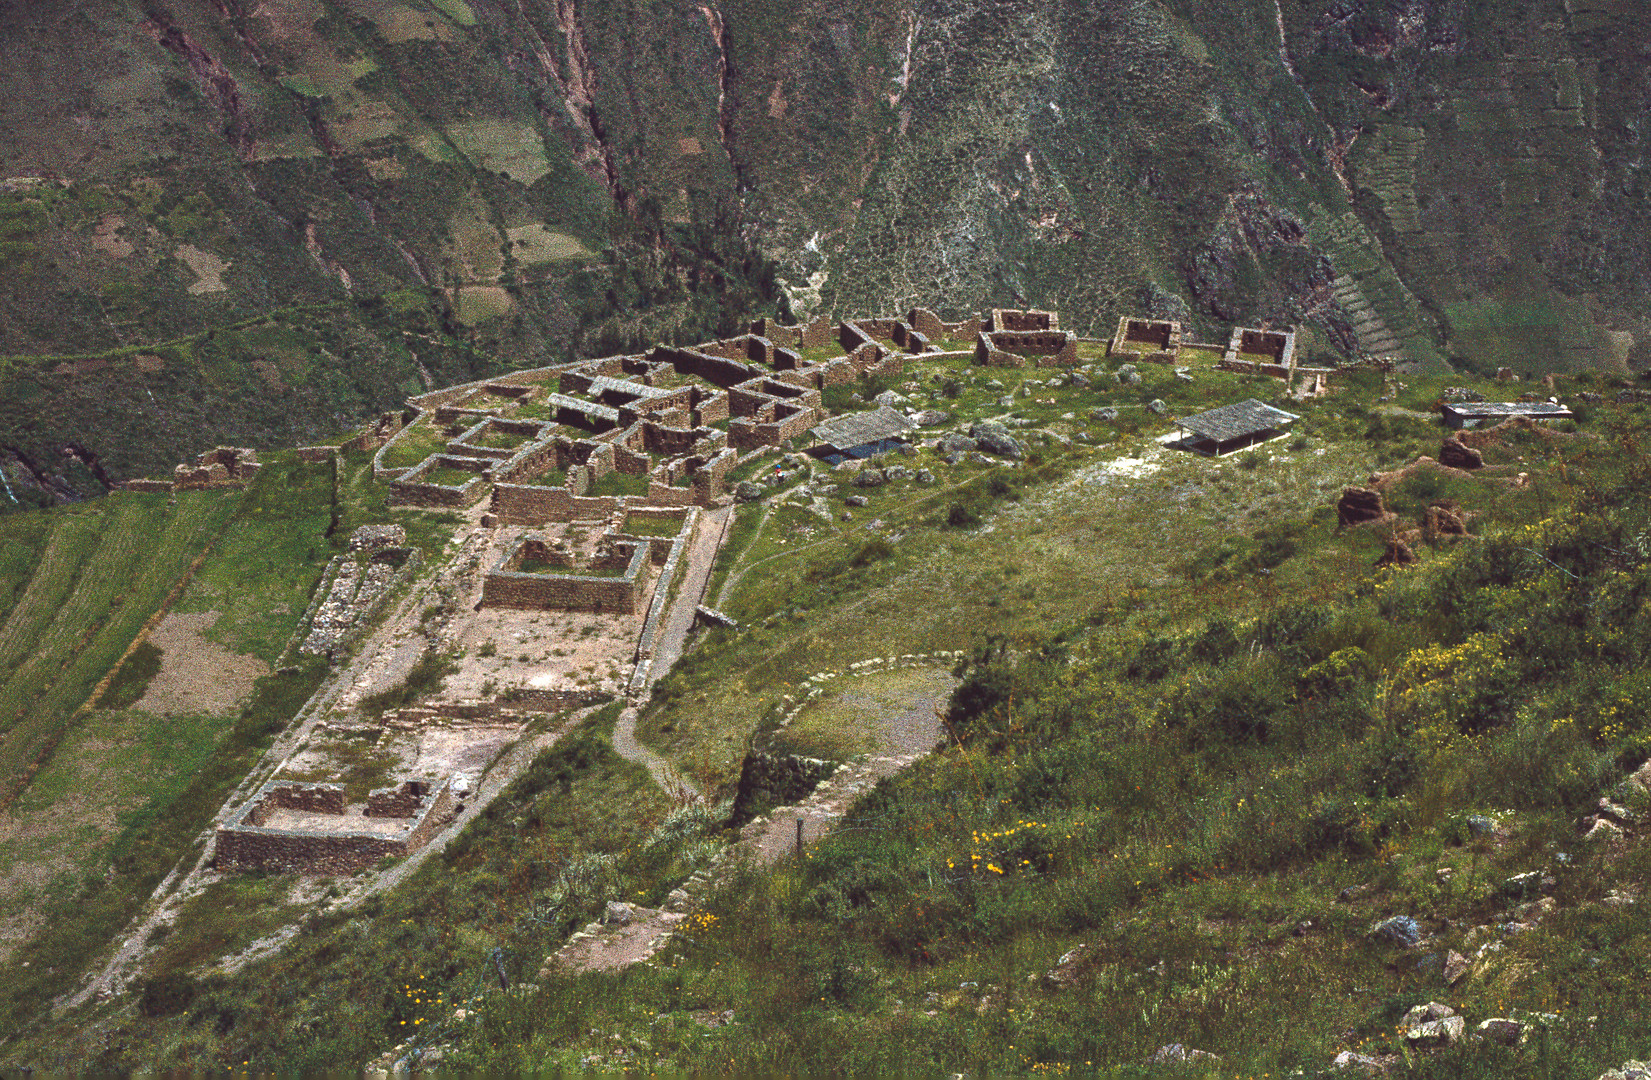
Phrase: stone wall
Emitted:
{"points": [[401, 801], [717, 370], [244, 844], [521, 504], [1007, 319], [505, 586], [1054, 347], [411, 490], [768, 780]]}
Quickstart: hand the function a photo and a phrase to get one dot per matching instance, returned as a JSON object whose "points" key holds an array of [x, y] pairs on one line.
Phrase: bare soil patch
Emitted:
{"points": [[197, 675]]}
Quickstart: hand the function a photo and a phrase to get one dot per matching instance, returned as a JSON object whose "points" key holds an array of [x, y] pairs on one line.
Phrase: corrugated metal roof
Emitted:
{"points": [[1486, 409], [855, 429], [1237, 421]]}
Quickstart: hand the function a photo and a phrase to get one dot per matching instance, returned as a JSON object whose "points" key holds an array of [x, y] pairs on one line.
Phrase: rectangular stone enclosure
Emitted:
{"points": [[292, 827]]}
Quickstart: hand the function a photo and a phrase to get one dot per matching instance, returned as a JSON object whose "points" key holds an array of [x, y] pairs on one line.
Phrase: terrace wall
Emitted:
{"points": [[1006, 319]]}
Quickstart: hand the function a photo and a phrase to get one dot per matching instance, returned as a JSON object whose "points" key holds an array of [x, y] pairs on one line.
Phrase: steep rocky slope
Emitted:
{"points": [[360, 196]]}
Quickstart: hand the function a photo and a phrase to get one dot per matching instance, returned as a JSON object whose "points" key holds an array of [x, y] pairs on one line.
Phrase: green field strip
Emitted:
{"points": [[73, 536], [140, 557]]}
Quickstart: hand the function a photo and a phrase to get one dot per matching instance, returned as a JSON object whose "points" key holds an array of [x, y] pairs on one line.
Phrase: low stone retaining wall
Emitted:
{"points": [[243, 843]]}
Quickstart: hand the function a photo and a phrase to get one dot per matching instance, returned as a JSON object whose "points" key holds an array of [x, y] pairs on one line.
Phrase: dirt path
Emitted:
{"points": [[664, 773], [679, 620]]}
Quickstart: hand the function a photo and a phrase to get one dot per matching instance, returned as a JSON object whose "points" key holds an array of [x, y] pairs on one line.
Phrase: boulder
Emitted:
{"points": [[868, 478], [617, 913], [897, 472], [1363, 1063], [1128, 378], [746, 491], [1628, 1070], [1399, 929], [1425, 1014], [1157, 407], [931, 417], [1079, 379], [994, 438], [1177, 1054], [1458, 455], [1501, 1030], [1456, 966], [1437, 1032], [1480, 825], [1358, 505], [889, 398], [1105, 413], [924, 476], [955, 443], [855, 500]]}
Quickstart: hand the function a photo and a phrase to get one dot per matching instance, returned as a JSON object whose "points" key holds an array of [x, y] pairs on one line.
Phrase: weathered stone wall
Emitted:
{"points": [[412, 490], [717, 370], [148, 485], [401, 801], [1007, 319], [768, 780], [508, 588], [989, 355], [1059, 347], [926, 322], [243, 844], [521, 504]]}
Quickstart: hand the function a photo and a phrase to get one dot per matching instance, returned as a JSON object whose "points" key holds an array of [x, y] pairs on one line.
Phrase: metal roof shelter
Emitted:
{"points": [[1461, 414], [1232, 427], [861, 434]]}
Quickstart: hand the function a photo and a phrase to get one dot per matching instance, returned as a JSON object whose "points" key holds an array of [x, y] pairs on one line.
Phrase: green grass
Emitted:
{"points": [[448, 477], [636, 525], [415, 444], [618, 483]]}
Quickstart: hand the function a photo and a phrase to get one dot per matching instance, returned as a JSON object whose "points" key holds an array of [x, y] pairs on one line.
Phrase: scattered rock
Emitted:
{"points": [[1105, 413], [746, 491], [1425, 1014], [1602, 829], [924, 476], [1480, 825], [995, 438], [1183, 376], [1065, 973], [868, 478], [1079, 379], [1157, 407], [1353, 892], [956, 443], [617, 913], [1437, 1032], [1456, 965], [931, 418], [889, 398], [856, 500], [374, 537], [1501, 1030], [1400, 929], [1177, 1054], [1628, 1070], [1526, 884], [1362, 1062]]}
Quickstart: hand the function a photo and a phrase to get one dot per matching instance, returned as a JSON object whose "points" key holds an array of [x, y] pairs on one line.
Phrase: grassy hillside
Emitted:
{"points": [[106, 789], [1194, 717]]}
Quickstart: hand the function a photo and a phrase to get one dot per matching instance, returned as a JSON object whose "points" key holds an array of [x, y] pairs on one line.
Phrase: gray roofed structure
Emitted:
{"points": [[857, 429], [1459, 414], [593, 409], [1244, 422]]}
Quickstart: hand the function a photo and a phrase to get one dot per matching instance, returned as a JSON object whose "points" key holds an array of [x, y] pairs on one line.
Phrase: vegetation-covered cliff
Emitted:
{"points": [[250, 223]]}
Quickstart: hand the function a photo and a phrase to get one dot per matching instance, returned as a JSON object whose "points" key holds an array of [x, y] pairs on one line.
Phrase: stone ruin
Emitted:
{"points": [[355, 585], [294, 827], [539, 575], [220, 467]]}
